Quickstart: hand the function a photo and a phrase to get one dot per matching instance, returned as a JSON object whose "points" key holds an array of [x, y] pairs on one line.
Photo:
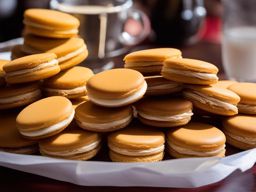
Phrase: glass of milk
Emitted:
{"points": [[239, 39]]}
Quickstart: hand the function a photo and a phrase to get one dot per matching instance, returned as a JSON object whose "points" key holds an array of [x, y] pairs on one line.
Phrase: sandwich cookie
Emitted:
{"points": [[50, 23], [2, 73], [157, 85], [224, 83], [196, 140], [19, 95], [72, 144], [31, 68], [17, 52], [190, 71], [70, 52], [247, 94], [137, 143], [70, 83], [213, 99], [10, 138], [240, 131], [164, 111], [116, 87], [101, 119], [45, 117], [150, 61]]}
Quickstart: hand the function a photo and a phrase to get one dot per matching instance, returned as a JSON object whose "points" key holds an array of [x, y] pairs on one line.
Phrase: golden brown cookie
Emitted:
{"points": [[190, 71], [116, 87], [196, 140], [45, 118], [70, 83], [164, 111]]}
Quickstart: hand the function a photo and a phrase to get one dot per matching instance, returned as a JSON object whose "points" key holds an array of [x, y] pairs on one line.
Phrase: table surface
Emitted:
{"points": [[12, 180]]}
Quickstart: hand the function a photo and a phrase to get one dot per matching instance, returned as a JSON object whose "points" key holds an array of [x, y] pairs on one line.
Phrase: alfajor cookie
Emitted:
{"points": [[70, 52], [196, 140], [247, 94], [45, 117], [10, 138], [71, 144], [213, 99], [102, 119], [19, 95], [157, 85], [70, 83], [190, 71], [224, 83], [137, 143], [240, 131], [2, 73], [116, 87], [164, 111], [150, 61], [31, 68], [50, 23], [16, 52]]}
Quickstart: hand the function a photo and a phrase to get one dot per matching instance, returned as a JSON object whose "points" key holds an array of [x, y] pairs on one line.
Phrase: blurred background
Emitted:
{"points": [[173, 22]]}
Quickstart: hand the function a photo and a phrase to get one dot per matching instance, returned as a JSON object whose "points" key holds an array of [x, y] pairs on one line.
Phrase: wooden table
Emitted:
{"points": [[12, 180]]}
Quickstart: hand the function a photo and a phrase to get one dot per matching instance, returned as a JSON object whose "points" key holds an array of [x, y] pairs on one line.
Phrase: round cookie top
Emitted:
{"points": [[91, 113], [44, 113], [224, 83], [71, 78], [69, 140], [137, 136], [217, 93], [246, 91], [16, 90], [115, 82], [190, 65], [165, 106], [241, 125], [197, 136], [28, 62], [158, 54], [60, 47], [50, 18], [9, 134]]}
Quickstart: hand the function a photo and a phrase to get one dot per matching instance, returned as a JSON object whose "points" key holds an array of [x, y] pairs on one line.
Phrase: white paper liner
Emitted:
{"points": [[185, 173]]}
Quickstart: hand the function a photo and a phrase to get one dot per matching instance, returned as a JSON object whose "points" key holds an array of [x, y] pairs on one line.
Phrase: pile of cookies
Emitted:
{"points": [[51, 106]]}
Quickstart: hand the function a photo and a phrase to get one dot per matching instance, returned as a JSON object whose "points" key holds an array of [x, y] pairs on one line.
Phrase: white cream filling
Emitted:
{"points": [[185, 151], [49, 129], [72, 54], [80, 150], [246, 108], [204, 76], [17, 98], [66, 91], [202, 98], [142, 64], [163, 86], [119, 102], [247, 140], [63, 31], [51, 63], [136, 152], [167, 118], [101, 126]]}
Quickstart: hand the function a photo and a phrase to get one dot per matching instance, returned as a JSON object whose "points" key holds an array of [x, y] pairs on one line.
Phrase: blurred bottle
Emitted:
{"points": [[176, 22]]}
